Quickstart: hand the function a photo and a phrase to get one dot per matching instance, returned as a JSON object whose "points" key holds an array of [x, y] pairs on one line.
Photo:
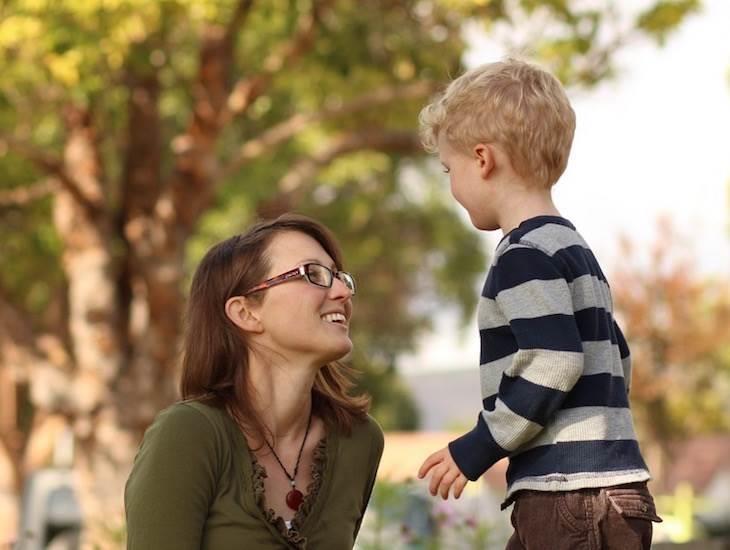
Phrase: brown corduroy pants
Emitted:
{"points": [[609, 518]]}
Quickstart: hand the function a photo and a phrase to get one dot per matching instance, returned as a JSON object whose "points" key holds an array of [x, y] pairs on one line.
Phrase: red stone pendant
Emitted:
{"points": [[294, 499]]}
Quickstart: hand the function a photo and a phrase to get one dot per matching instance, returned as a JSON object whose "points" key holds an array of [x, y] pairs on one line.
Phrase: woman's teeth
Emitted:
{"points": [[334, 318]]}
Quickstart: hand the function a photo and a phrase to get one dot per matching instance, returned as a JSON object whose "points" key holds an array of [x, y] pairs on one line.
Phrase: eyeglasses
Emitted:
{"points": [[316, 274]]}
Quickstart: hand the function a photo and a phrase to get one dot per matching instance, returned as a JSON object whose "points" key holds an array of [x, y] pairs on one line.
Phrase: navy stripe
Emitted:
{"points": [[623, 347], [496, 343], [517, 266], [595, 324], [578, 261], [488, 403], [575, 457], [539, 403], [555, 332], [598, 390], [532, 401], [595, 390], [476, 451]]}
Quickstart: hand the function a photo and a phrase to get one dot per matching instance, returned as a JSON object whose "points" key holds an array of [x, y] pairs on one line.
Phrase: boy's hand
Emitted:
{"points": [[445, 474]]}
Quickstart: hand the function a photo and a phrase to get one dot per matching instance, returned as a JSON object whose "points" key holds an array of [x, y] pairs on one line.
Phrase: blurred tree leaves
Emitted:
{"points": [[677, 322], [663, 17], [319, 116]]}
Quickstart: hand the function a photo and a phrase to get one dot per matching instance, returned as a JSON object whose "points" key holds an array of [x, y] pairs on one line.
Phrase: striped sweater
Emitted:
{"points": [[555, 369]]}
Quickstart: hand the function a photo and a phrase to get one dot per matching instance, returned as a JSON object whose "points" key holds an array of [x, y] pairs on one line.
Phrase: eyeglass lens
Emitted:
{"points": [[319, 275], [322, 276]]}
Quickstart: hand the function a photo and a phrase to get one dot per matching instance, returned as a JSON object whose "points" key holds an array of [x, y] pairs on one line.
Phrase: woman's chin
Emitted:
{"points": [[340, 352]]}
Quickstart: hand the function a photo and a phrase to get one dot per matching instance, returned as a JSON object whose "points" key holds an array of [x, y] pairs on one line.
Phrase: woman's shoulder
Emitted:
{"points": [[190, 419], [367, 431]]}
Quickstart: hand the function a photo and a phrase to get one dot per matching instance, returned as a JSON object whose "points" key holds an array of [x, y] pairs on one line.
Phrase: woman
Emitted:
{"points": [[267, 448]]}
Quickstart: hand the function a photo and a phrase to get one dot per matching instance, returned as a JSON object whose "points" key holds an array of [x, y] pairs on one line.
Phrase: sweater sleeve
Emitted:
{"points": [[538, 334], [377, 444], [173, 482], [623, 348]]}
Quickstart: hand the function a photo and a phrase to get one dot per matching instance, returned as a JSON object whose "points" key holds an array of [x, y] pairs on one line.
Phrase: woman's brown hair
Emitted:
{"points": [[216, 352]]}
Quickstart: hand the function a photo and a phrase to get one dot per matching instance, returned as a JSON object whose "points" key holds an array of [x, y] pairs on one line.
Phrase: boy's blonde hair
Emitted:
{"points": [[513, 104]]}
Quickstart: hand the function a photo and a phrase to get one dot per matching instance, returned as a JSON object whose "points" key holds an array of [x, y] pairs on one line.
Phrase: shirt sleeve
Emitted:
{"points": [[540, 340], [173, 482], [376, 453], [623, 348]]}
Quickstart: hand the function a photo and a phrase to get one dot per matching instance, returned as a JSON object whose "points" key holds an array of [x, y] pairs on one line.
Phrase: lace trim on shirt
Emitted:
{"points": [[292, 534]]}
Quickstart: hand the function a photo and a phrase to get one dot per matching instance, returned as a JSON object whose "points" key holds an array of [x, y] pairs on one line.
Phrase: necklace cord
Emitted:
{"points": [[292, 478]]}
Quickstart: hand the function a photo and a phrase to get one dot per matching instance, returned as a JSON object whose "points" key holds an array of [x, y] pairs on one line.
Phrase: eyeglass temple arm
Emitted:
{"points": [[298, 272]]}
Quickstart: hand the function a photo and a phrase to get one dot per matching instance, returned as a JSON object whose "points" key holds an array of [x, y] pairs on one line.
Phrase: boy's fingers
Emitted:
{"points": [[461, 482], [438, 474], [429, 463], [446, 483]]}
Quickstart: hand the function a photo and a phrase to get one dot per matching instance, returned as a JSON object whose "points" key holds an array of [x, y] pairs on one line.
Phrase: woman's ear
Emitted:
{"points": [[240, 311], [486, 158]]}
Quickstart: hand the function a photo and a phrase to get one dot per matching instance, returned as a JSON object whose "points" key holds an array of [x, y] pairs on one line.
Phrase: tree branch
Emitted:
{"points": [[17, 326], [196, 167], [285, 130], [141, 178], [246, 90], [53, 166], [292, 185], [191, 183], [240, 14], [21, 196]]}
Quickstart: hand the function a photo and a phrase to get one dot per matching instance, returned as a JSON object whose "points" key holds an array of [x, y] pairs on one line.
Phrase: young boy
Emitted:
{"points": [[554, 366]]}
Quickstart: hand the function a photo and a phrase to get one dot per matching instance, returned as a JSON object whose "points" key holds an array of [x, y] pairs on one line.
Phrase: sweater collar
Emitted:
{"points": [[530, 224]]}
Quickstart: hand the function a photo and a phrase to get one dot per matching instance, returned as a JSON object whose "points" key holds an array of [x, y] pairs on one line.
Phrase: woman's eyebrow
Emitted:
{"points": [[331, 264]]}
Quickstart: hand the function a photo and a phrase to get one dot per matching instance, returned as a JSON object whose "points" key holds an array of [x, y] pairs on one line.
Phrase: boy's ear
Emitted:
{"points": [[240, 311], [485, 157]]}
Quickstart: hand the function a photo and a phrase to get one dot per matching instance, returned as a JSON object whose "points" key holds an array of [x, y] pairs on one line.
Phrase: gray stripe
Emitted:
{"points": [[502, 248], [536, 298], [585, 291], [509, 429], [626, 367], [558, 370], [489, 314], [490, 374], [552, 237], [602, 357], [598, 358], [581, 480], [589, 291], [586, 424]]}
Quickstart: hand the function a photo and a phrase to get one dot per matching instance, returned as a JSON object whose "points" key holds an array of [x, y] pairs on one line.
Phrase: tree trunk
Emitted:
{"points": [[95, 331]]}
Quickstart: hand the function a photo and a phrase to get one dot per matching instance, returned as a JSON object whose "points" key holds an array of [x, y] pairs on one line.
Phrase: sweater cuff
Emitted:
{"points": [[476, 451]]}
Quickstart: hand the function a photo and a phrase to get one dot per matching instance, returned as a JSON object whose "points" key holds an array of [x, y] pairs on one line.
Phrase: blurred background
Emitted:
{"points": [[134, 134]]}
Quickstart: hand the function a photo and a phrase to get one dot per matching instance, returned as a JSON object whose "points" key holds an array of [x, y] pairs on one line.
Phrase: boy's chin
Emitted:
{"points": [[484, 225]]}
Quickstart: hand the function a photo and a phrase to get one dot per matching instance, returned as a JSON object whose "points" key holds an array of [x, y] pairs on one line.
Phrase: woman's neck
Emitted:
{"points": [[282, 397]]}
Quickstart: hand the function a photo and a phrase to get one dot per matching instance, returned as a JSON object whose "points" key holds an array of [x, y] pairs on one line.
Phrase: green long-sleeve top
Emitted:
{"points": [[196, 486]]}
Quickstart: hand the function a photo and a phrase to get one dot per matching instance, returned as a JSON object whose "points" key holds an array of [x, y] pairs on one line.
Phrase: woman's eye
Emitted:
{"points": [[446, 169]]}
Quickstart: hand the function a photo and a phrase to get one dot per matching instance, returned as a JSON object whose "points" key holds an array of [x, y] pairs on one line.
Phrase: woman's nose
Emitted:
{"points": [[340, 290]]}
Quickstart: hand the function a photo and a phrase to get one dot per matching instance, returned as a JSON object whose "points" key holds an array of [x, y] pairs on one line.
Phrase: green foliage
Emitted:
{"points": [[665, 16], [30, 250], [403, 516], [403, 238], [392, 403]]}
